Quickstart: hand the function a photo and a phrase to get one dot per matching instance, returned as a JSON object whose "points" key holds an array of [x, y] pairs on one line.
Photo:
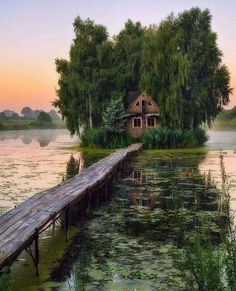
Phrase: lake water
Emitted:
{"points": [[31, 160], [127, 243]]}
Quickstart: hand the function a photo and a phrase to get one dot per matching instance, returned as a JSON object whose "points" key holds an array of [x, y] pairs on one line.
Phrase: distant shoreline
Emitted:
{"points": [[224, 125], [30, 124]]}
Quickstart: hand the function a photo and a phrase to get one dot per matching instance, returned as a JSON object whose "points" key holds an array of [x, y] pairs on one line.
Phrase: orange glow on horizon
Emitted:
{"points": [[22, 86]]}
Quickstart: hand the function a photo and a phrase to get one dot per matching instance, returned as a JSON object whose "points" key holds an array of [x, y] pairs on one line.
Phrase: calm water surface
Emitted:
{"points": [[126, 244], [31, 160]]}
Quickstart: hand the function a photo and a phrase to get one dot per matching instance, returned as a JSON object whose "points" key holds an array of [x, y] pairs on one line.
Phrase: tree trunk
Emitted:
{"points": [[90, 113]]}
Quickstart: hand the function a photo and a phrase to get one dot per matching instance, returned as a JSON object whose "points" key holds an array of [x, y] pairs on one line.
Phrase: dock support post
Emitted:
{"points": [[105, 191], [88, 205], [36, 250], [67, 223], [53, 227], [97, 198]]}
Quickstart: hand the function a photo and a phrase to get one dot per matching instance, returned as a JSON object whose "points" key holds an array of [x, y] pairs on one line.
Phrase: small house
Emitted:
{"points": [[142, 113]]}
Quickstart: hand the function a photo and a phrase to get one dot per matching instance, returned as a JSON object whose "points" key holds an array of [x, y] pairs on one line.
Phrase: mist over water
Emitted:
{"points": [[31, 161]]}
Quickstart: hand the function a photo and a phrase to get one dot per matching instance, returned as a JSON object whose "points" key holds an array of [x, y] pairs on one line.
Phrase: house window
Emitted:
{"points": [[137, 122], [151, 121], [143, 102]]}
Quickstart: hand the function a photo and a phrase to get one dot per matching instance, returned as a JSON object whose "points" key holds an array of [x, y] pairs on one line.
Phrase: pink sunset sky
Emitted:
{"points": [[33, 33]]}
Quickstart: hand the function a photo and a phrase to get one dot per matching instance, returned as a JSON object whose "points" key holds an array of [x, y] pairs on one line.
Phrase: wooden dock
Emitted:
{"points": [[21, 226]]}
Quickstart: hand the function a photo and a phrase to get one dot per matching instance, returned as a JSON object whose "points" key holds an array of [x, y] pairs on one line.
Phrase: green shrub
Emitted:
{"points": [[102, 138], [5, 280], [2, 127], [40, 124], [44, 117], [158, 137], [163, 137], [72, 168]]}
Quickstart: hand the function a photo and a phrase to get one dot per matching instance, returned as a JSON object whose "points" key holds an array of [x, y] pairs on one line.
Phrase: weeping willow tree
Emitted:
{"points": [[98, 69], [84, 78], [181, 69], [178, 63], [127, 50]]}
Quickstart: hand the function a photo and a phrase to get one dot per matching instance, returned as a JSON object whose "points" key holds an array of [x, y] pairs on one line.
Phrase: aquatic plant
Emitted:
{"points": [[5, 282], [210, 263], [72, 167]]}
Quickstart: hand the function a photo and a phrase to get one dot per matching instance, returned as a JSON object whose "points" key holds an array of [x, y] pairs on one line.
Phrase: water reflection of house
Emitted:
{"points": [[140, 197], [141, 176]]}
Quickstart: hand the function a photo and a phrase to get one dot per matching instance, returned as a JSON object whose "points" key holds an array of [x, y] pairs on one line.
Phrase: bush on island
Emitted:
{"points": [[164, 137]]}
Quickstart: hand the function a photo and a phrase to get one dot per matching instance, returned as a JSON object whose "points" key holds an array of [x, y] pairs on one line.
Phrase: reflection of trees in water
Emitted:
{"points": [[159, 177], [75, 165], [5, 135], [142, 207], [43, 137], [164, 177], [26, 139]]}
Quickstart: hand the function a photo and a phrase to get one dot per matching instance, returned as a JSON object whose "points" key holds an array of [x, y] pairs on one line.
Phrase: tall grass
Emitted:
{"points": [[211, 263], [163, 137], [152, 138], [101, 138], [5, 280]]}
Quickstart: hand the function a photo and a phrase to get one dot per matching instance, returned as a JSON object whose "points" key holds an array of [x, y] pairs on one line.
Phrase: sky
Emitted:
{"points": [[33, 33]]}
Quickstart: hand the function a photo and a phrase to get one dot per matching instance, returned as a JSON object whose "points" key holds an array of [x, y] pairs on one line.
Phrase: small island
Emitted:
{"points": [[176, 65]]}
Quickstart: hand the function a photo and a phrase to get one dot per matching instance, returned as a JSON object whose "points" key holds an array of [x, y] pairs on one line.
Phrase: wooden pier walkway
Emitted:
{"points": [[21, 226]]}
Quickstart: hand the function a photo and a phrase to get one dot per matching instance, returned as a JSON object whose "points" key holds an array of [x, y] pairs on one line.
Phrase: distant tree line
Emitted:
{"points": [[29, 114], [178, 63], [228, 115]]}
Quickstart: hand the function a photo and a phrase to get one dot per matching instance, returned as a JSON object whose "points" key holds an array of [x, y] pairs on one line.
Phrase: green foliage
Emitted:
{"points": [[164, 137], [212, 264], [102, 138], [227, 115], [2, 127], [126, 65], [72, 168], [152, 138], [182, 70], [178, 63], [84, 79], [98, 69], [29, 124], [15, 116], [5, 280], [3, 116], [113, 116], [44, 117], [27, 112]]}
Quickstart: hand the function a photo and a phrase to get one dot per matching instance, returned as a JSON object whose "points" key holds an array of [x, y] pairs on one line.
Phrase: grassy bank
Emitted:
{"points": [[199, 150], [30, 124], [152, 138], [225, 124], [90, 150]]}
